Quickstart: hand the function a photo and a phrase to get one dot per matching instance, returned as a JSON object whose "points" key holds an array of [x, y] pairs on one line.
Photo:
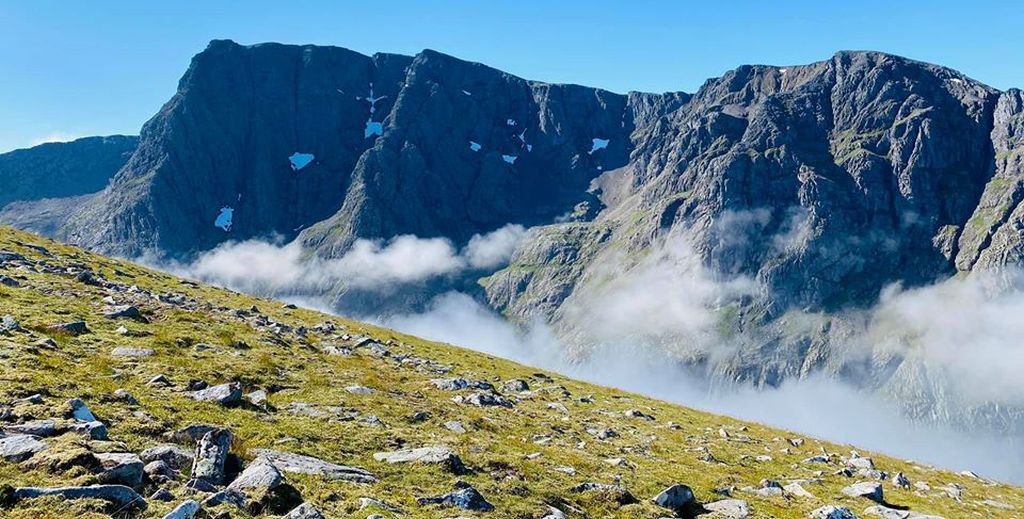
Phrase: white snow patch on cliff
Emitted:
{"points": [[300, 160], [224, 219]]}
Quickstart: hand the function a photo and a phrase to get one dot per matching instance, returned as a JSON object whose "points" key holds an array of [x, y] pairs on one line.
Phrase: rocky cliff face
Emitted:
{"points": [[62, 169]]}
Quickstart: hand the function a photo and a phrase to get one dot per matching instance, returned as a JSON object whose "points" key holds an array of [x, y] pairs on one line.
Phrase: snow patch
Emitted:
{"points": [[510, 122], [511, 159], [467, 92], [300, 160], [475, 146], [598, 144], [373, 128], [224, 218]]}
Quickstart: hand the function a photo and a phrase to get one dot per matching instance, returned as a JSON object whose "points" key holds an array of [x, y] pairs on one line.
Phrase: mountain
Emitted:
{"points": [[799, 194], [129, 392], [44, 183]]}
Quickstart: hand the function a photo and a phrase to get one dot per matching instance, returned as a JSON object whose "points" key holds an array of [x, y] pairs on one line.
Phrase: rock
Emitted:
{"points": [[261, 486], [515, 386], [465, 497], [304, 511], [122, 497], [360, 390], [159, 472], [602, 434], [211, 453], [186, 510], [260, 475], [8, 281], [483, 400], [20, 447], [615, 493], [886, 513], [223, 394], [675, 497], [832, 512], [870, 490], [42, 428], [369, 502], [159, 380], [126, 397], [9, 325], [419, 416], [162, 495], [796, 489], [861, 463], [301, 464], [257, 398], [71, 328], [80, 411], [636, 413], [901, 481], [120, 468], [95, 430], [124, 351], [427, 455], [174, 456], [728, 509], [455, 426], [123, 312]]}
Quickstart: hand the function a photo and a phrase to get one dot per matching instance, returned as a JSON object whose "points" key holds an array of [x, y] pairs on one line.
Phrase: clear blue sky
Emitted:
{"points": [[70, 68]]}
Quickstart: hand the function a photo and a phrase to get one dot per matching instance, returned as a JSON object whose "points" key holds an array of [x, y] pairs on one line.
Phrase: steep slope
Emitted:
{"points": [[62, 169], [78, 401]]}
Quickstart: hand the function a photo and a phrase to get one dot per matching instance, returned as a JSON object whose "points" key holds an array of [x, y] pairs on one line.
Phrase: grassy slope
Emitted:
{"points": [[495, 448]]}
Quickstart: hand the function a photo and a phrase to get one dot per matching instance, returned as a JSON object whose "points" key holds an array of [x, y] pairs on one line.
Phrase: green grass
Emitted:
{"points": [[496, 448]]}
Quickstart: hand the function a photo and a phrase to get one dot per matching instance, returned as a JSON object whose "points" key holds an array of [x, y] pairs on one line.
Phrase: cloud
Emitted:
{"points": [[494, 249]]}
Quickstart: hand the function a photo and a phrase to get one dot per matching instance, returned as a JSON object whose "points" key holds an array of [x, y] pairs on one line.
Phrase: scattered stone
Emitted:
{"points": [[124, 351], [369, 502], [304, 511], [636, 413], [9, 282], [858, 462], [120, 468], [675, 497], [191, 433], [419, 416], [615, 493], [483, 400], [867, 489], [124, 312], [211, 453], [174, 456], [186, 510], [301, 464], [602, 434], [159, 380], [160, 472], [41, 428], [886, 513], [901, 481], [80, 411], [360, 390], [558, 406], [257, 398], [71, 328], [162, 495], [35, 399], [832, 512], [223, 394], [8, 324], [817, 459], [20, 447], [796, 489], [120, 496], [94, 430], [515, 386], [126, 397], [465, 497], [455, 426], [427, 455], [729, 509]]}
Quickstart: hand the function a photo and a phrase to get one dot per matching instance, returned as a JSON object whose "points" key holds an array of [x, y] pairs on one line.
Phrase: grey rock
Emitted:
{"points": [[9, 324], [728, 509], [832, 512], [20, 447], [257, 398], [427, 455], [260, 475], [42, 428], [675, 497], [223, 394], [304, 511], [301, 464], [455, 426], [71, 328], [186, 510], [122, 497], [614, 493], [174, 456], [124, 312], [126, 397], [465, 497], [870, 490], [162, 495], [80, 411], [120, 468], [515, 386], [484, 400], [159, 471], [211, 453], [95, 430], [124, 351]]}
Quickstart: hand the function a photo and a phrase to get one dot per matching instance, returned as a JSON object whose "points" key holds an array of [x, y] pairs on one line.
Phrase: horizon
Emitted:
{"points": [[79, 71]]}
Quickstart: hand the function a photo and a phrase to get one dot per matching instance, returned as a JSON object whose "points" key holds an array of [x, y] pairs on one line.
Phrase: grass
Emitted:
{"points": [[662, 452]]}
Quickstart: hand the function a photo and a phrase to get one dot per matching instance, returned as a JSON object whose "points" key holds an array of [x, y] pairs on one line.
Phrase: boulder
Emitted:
{"points": [[615, 493], [124, 351], [301, 464], [123, 312], [70, 328], [121, 497], [174, 456], [20, 447], [868, 489], [186, 510], [465, 497], [304, 511], [728, 509], [120, 468], [832, 512], [428, 455], [675, 497], [223, 394], [211, 453], [515, 386], [42, 428], [94, 430], [80, 411]]}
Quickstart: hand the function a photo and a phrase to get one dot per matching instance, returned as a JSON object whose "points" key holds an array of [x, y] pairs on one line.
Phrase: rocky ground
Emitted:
{"points": [[127, 392]]}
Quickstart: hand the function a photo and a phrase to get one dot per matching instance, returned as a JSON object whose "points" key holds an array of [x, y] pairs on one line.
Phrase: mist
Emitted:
{"points": [[665, 307]]}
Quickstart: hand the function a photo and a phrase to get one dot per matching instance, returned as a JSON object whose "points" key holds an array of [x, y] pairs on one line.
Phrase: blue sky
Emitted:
{"points": [[72, 69]]}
